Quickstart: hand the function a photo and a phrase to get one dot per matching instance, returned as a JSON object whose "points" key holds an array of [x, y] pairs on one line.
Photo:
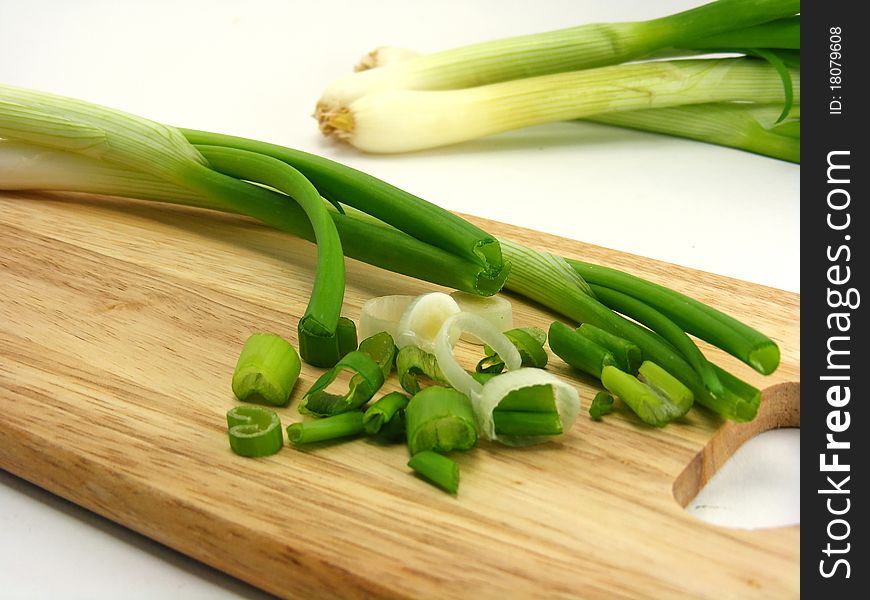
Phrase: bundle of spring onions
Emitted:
{"points": [[49, 142], [666, 75]]}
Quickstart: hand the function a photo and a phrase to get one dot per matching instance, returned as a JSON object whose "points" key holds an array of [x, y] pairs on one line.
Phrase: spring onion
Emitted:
{"points": [[382, 350], [741, 341], [627, 355], [267, 369], [414, 365], [440, 419], [602, 404], [409, 120], [383, 314], [579, 351], [383, 411], [529, 342], [367, 379], [422, 320], [544, 398], [496, 309], [654, 395], [438, 469], [458, 377], [254, 431], [323, 430], [576, 48]]}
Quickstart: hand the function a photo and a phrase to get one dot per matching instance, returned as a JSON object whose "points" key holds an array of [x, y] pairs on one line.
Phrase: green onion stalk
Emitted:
{"points": [[53, 143]]}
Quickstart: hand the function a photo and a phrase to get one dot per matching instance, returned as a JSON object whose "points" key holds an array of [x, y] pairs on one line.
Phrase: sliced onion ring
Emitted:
{"points": [[464, 322], [423, 318], [495, 309], [566, 397], [382, 314]]}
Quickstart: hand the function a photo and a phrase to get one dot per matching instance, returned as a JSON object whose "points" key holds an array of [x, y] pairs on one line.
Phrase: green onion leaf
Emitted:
{"points": [[627, 355], [579, 351], [529, 341]]}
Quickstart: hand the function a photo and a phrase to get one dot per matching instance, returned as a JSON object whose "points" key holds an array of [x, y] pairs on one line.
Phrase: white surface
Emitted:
{"points": [[256, 69]]}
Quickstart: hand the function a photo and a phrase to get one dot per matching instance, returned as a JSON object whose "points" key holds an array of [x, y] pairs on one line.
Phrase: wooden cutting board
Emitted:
{"points": [[120, 323]]}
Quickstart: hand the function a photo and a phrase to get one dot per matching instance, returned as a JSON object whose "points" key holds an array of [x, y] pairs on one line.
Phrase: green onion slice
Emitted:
{"points": [[267, 369], [413, 364], [382, 350], [528, 390], [475, 325], [602, 404], [383, 314], [440, 419], [529, 341], [436, 468], [383, 411], [323, 430], [254, 431], [367, 379], [656, 396], [422, 320], [496, 309]]}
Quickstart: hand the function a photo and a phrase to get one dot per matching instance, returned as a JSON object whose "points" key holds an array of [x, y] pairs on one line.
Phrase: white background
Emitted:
{"points": [[256, 69]]}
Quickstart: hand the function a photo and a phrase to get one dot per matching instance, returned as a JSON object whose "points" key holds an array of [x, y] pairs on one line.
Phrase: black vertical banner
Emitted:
{"points": [[834, 260]]}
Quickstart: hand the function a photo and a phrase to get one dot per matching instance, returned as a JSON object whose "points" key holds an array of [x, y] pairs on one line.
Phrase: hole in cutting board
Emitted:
{"points": [[780, 408], [758, 487]]}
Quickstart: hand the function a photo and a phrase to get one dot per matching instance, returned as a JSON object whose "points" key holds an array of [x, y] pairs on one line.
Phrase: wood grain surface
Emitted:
{"points": [[120, 323]]}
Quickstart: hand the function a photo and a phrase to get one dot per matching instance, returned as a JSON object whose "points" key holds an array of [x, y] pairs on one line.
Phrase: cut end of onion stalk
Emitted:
{"points": [[765, 358], [335, 122]]}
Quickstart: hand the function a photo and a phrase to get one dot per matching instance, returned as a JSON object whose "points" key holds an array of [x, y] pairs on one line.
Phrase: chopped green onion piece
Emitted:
{"points": [[267, 369], [579, 351], [519, 423], [254, 431], [602, 404], [628, 356], [532, 398], [529, 341], [656, 396], [330, 428], [413, 364], [438, 469], [367, 379], [383, 411], [394, 429], [322, 349], [440, 419], [382, 350], [530, 391]]}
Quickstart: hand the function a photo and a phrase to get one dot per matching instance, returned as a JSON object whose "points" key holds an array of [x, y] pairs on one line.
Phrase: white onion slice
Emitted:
{"points": [[422, 320], [495, 309], [566, 397], [383, 314], [464, 322]]}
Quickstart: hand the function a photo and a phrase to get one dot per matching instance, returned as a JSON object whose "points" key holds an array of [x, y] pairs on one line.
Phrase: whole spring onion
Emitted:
{"points": [[582, 47], [409, 120]]}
